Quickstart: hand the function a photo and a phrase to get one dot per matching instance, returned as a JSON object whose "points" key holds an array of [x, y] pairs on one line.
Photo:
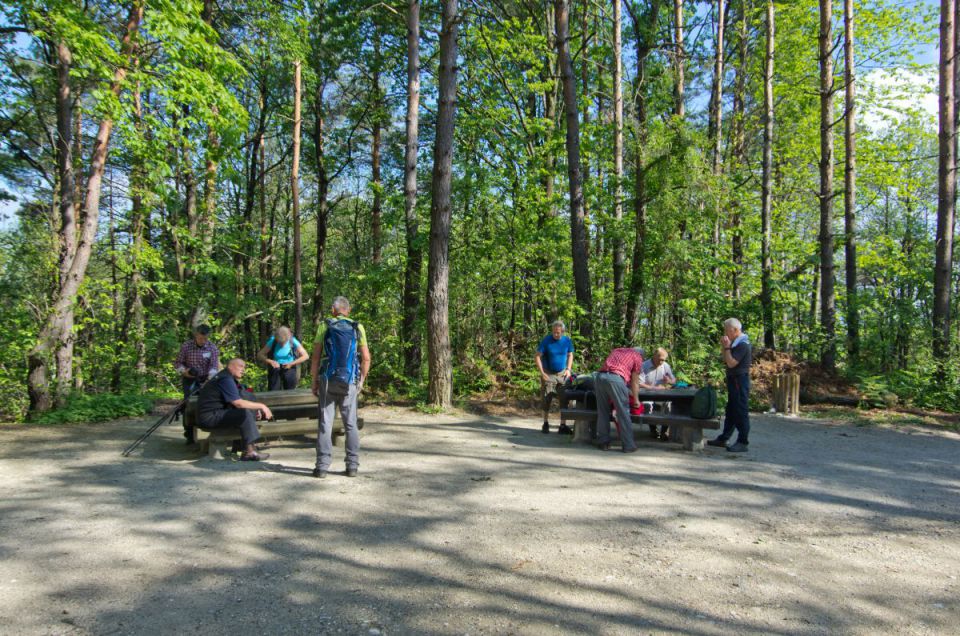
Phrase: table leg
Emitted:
{"points": [[692, 438]]}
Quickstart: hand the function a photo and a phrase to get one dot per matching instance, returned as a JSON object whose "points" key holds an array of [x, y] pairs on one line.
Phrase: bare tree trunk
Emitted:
{"points": [[135, 325], [715, 133], [210, 170], [58, 325], [850, 185], [946, 183], [618, 251], [679, 59], [323, 210], [578, 233], [645, 28], [377, 212], [438, 272], [827, 299], [739, 151], [411, 279], [295, 196], [766, 296]]}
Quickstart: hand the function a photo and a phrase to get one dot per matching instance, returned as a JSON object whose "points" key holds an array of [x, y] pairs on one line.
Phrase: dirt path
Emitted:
{"points": [[483, 526]]}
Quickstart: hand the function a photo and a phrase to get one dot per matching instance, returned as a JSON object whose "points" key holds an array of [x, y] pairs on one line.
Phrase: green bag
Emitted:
{"points": [[704, 406]]}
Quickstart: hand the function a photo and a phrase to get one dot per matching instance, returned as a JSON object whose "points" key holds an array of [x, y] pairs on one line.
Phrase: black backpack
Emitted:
{"points": [[704, 406]]}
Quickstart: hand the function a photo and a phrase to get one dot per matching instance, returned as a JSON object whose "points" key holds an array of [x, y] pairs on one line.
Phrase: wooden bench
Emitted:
{"points": [[294, 412], [690, 429]]}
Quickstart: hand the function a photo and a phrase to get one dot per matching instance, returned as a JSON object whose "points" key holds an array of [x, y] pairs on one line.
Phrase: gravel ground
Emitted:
{"points": [[461, 524]]}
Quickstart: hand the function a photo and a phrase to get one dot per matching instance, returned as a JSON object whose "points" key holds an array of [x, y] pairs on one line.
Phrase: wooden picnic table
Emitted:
{"points": [[678, 419], [294, 413]]}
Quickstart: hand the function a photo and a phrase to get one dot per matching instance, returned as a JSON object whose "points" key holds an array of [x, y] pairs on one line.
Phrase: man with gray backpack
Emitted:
{"points": [[339, 367]]}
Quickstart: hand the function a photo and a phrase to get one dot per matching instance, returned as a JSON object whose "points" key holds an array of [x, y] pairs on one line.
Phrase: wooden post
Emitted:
{"points": [[786, 393]]}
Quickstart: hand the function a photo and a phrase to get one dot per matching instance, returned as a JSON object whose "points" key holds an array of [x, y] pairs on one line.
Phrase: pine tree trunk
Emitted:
{"points": [[715, 132], [438, 272], [618, 247], [850, 185], [578, 232], [414, 265], [58, 326], [679, 60], [645, 30], [323, 210], [827, 300], [946, 183], [295, 196], [766, 293], [377, 212], [739, 152]]}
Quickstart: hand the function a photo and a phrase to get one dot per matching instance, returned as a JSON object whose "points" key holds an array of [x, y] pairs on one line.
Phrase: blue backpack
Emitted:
{"points": [[340, 366]]}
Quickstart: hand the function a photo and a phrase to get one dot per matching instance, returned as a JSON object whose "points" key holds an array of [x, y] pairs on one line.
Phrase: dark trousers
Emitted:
{"points": [[189, 385], [281, 379], [737, 414], [244, 419]]}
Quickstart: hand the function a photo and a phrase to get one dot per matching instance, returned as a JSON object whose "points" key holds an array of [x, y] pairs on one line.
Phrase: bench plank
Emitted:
{"points": [[690, 429]]}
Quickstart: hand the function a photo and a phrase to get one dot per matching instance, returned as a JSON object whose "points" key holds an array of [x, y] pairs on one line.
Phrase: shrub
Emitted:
{"points": [[81, 408]]}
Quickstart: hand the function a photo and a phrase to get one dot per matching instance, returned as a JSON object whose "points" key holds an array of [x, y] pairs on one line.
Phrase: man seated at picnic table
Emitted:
{"points": [[657, 374], [554, 361], [221, 404], [617, 382]]}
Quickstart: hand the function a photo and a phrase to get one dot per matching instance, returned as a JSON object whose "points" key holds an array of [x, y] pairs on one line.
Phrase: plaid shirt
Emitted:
{"points": [[205, 358], [624, 362]]}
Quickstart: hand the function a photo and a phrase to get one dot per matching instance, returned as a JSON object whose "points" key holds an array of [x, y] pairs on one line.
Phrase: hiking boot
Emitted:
{"points": [[720, 443], [351, 472], [631, 450], [319, 474], [254, 457], [565, 430], [737, 448], [604, 446], [545, 428]]}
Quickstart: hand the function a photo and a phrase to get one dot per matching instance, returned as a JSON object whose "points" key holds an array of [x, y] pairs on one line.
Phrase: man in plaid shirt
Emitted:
{"points": [[197, 362], [618, 380]]}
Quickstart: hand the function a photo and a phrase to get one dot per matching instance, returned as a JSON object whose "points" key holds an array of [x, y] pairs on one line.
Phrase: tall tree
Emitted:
{"points": [[440, 385], [578, 232], [850, 184], [376, 137], [645, 29], [295, 196], [618, 255], [715, 132], [827, 276], [766, 295], [946, 183], [411, 276], [57, 332], [679, 60], [739, 150]]}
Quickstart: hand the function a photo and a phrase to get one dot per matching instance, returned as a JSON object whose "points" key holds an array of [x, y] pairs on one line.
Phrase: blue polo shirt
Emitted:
{"points": [[554, 352]]}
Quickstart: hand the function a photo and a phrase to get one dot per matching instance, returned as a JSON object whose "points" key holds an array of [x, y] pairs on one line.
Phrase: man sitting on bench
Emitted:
{"points": [[657, 374], [220, 405]]}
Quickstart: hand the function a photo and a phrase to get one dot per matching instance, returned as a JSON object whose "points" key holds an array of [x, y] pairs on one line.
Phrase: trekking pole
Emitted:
{"points": [[164, 419]]}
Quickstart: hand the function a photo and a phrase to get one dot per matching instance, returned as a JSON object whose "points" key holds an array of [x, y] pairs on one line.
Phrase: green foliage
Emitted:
{"points": [[82, 408]]}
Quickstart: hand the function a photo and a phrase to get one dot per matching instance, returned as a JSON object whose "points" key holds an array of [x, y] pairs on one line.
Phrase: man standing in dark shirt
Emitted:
{"points": [[220, 405], [737, 355]]}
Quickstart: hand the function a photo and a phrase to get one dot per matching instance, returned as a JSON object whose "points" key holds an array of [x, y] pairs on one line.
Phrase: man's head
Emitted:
{"points": [[236, 367], [201, 334], [557, 329], [732, 328], [282, 335], [659, 356], [340, 306]]}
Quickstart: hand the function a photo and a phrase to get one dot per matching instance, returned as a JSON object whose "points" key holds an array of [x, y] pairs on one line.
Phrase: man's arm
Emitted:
{"points": [[728, 358], [180, 364], [569, 368], [635, 386], [364, 363], [257, 406], [314, 366], [539, 362]]}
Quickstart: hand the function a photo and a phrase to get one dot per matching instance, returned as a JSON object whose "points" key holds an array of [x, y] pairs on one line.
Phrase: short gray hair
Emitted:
{"points": [[341, 304], [282, 334], [558, 323], [733, 323]]}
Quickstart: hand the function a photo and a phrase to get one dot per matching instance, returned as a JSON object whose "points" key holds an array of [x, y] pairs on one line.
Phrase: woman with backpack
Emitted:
{"points": [[282, 354]]}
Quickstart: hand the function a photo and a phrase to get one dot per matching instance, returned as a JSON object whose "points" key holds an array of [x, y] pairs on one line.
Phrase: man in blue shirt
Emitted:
{"points": [[554, 361], [221, 404]]}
